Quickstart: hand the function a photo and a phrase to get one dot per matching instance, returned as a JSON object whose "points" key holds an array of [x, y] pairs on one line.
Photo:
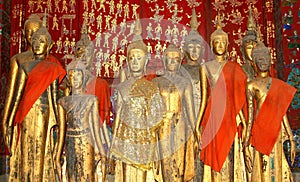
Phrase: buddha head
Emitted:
{"points": [[31, 25], [194, 41], [41, 42], [261, 57], [84, 48], [137, 52], [76, 74], [172, 58], [219, 40], [250, 39]]}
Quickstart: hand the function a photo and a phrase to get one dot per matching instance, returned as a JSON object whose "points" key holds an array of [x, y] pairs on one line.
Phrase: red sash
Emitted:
{"points": [[39, 78], [219, 121], [100, 88], [267, 123]]}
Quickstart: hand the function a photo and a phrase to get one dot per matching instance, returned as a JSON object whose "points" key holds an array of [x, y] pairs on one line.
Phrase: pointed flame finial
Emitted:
{"points": [[251, 22], [194, 23]]}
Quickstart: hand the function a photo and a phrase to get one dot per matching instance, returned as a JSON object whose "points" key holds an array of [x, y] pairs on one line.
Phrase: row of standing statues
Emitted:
{"points": [[209, 120]]}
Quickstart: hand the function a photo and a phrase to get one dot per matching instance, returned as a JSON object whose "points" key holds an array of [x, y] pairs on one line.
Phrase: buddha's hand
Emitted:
{"points": [[58, 168], [8, 135], [248, 158], [293, 151]]}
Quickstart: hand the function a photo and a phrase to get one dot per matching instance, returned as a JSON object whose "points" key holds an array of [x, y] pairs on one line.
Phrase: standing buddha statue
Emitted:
{"points": [[34, 112], [267, 132], [176, 158], [221, 146], [139, 109]]}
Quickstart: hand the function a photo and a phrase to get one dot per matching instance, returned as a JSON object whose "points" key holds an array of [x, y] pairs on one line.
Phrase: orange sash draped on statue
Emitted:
{"points": [[219, 122], [100, 88], [267, 123], [39, 78]]}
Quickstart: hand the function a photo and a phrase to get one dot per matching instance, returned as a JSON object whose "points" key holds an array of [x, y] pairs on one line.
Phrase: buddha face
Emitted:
{"points": [[219, 45], [172, 61], [248, 46], [262, 61], [40, 44], [87, 56], [194, 51], [75, 78], [136, 60], [30, 28]]}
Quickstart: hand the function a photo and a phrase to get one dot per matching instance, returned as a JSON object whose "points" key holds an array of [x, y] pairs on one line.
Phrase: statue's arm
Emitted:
{"points": [[10, 90], [204, 98], [190, 105], [246, 142], [54, 93], [21, 82], [60, 138], [250, 102], [96, 125], [291, 138]]}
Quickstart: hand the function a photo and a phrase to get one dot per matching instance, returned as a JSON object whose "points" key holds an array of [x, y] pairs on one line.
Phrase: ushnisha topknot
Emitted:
{"points": [[251, 34], [173, 48], [137, 41], [218, 32], [33, 18], [43, 31], [193, 36], [76, 65], [84, 40]]}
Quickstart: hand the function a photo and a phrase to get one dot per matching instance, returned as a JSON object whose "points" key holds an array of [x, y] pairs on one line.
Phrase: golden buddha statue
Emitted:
{"points": [[31, 25], [139, 109], [194, 50], [248, 42], [34, 113], [267, 132], [79, 129], [176, 157], [221, 151]]}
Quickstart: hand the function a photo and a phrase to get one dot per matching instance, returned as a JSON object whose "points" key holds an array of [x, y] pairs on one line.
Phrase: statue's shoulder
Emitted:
{"points": [[22, 57]]}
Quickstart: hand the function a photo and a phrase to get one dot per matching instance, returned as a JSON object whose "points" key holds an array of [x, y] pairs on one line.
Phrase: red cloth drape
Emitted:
{"points": [[39, 78], [267, 123]]}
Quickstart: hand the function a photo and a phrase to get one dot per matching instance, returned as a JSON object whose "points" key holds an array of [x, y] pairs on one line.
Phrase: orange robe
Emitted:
{"points": [[39, 78], [267, 124], [219, 121]]}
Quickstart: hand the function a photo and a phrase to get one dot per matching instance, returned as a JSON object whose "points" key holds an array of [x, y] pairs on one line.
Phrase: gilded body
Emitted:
{"points": [[176, 133]]}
